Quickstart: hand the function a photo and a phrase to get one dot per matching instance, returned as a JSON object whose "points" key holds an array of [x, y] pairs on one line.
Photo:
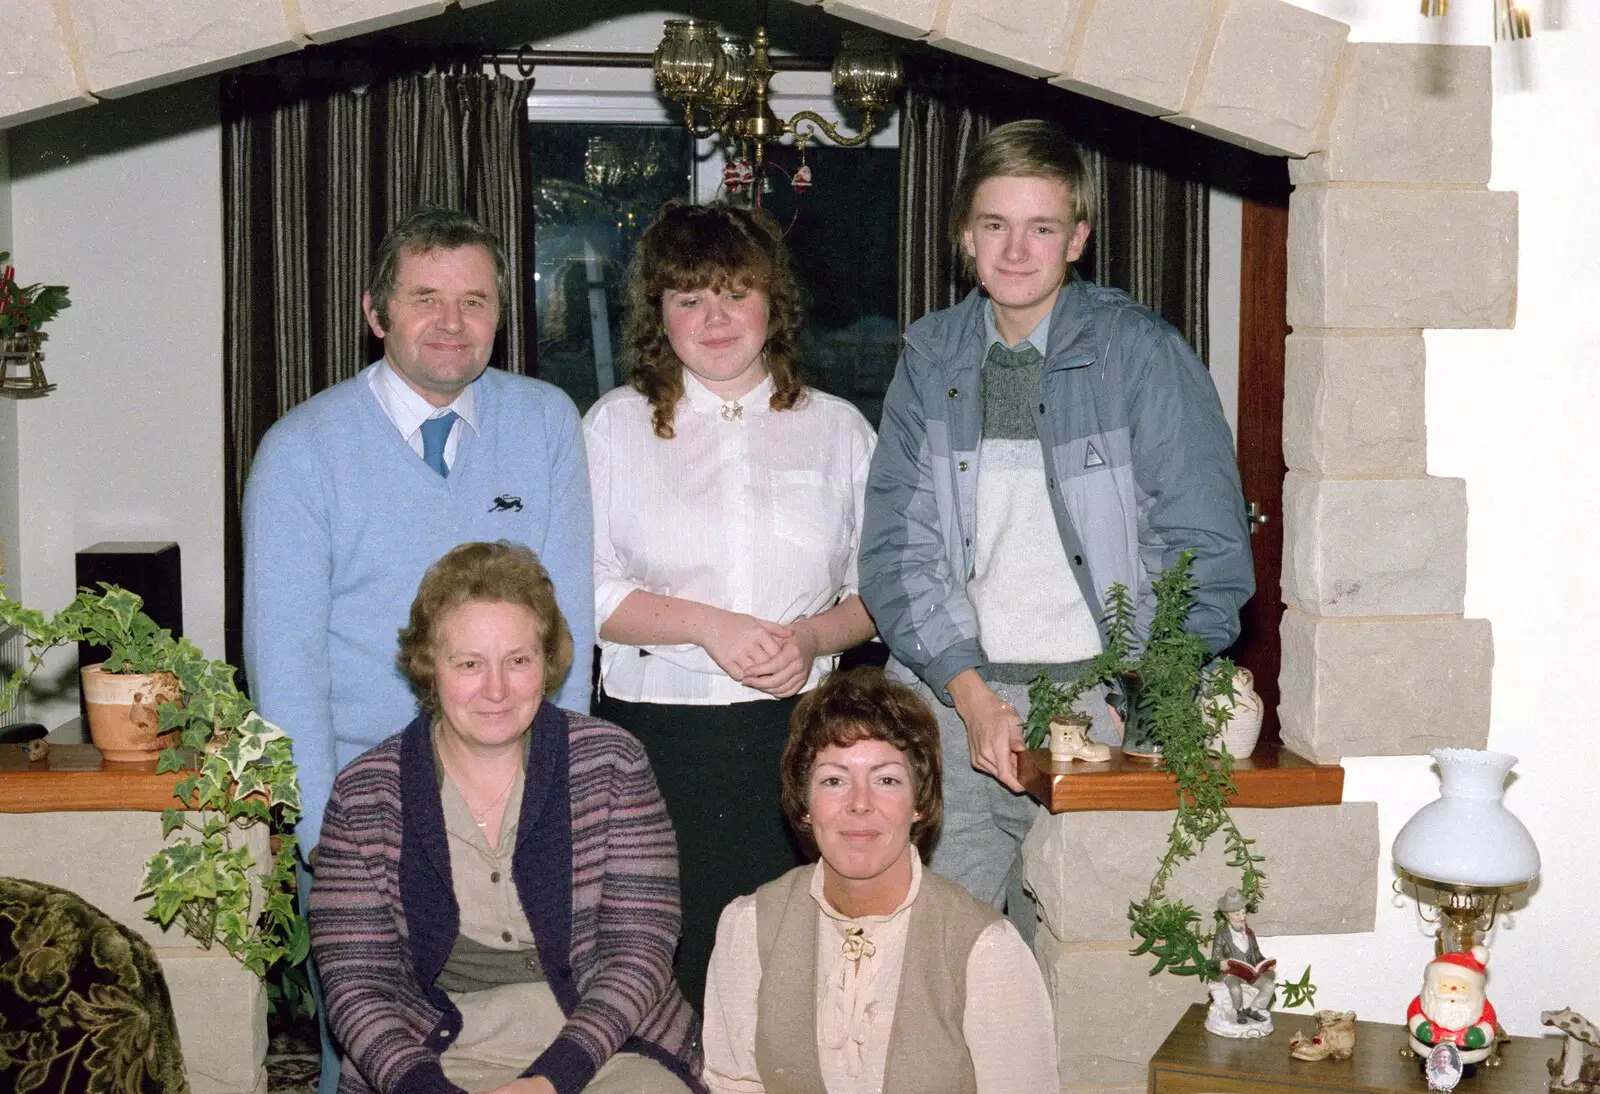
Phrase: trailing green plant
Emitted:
{"points": [[26, 308], [238, 772], [1184, 696]]}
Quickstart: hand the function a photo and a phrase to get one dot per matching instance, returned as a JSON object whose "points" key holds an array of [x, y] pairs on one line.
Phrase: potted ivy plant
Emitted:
{"points": [[24, 309], [238, 774], [1182, 700]]}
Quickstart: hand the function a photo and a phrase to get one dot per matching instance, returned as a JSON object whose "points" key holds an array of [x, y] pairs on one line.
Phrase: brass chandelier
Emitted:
{"points": [[726, 77], [1511, 19]]}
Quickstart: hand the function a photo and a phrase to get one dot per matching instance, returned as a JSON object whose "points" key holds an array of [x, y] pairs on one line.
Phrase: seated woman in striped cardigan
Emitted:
{"points": [[495, 903], [866, 972]]}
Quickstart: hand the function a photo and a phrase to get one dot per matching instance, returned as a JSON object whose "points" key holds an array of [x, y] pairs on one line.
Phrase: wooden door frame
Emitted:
{"points": [[1263, 330]]}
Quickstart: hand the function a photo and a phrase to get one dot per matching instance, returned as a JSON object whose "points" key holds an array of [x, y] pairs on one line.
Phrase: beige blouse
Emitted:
{"points": [[1008, 1021]]}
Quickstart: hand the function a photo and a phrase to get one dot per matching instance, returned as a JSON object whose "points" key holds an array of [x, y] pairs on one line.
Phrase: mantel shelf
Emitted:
{"points": [[1272, 778], [75, 778]]}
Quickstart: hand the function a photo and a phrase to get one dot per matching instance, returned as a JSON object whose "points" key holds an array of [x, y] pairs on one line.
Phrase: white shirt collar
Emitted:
{"points": [[758, 400], [1038, 337], [833, 913], [408, 410]]}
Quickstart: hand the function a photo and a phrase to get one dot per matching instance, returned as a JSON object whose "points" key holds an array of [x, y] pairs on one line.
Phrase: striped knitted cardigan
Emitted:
{"points": [[595, 865]]}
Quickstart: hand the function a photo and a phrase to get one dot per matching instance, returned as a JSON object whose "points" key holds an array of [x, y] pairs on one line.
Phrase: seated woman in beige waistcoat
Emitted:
{"points": [[864, 972]]}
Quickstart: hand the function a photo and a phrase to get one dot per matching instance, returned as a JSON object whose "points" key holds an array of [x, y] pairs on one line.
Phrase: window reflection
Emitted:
{"points": [[597, 186]]}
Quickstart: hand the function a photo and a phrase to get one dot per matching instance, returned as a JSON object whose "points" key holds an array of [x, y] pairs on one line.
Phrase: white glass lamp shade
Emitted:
{"points": [[1468, 836]]}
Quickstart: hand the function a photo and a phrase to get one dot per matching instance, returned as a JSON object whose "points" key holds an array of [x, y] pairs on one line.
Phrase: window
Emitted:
{"points": [[605, 155]]}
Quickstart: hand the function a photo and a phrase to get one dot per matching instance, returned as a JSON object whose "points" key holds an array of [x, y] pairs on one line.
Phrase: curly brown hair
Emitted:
{"points": [[862, 704], [693, 247], [499, 571]]}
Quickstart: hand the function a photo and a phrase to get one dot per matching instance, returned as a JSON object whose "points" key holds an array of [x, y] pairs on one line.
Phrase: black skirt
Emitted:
{"points": [[717, 767]]}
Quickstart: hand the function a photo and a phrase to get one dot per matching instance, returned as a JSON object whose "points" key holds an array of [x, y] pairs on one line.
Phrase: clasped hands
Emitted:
{"points": [[761, 654]]}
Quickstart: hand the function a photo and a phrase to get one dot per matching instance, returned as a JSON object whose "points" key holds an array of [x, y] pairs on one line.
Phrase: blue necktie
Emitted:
{"points": [[435, 431]]}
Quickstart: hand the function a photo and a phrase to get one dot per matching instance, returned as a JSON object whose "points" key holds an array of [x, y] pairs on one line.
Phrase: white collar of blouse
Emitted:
{"points": [[758, 400]]}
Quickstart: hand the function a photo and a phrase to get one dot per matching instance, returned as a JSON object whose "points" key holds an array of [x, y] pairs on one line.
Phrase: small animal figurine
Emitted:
{"points": [[1335, 1038], [1577, 1069]]}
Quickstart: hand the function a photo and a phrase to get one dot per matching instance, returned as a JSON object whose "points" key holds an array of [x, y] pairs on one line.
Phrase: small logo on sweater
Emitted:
{"points": [[505, 503], [1091, 458]]}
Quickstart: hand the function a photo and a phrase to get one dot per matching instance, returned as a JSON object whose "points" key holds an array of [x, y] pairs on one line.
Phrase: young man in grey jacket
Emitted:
{"points": [[1041, 441]]}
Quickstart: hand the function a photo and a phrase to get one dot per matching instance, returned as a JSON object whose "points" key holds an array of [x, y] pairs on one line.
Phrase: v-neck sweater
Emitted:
{"points": [[341, 519]]}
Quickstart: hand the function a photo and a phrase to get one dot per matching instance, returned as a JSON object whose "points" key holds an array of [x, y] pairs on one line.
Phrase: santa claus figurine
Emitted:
{"points": [[1452, 1006]]}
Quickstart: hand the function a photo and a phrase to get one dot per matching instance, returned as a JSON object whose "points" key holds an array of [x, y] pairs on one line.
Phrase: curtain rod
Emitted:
{"points": [[526, 58]]}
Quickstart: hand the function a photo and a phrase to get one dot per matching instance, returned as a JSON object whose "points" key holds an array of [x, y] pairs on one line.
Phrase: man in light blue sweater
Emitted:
{"points": [[354, 493]]}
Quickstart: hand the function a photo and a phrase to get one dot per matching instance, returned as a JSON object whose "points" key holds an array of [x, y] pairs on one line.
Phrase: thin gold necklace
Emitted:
{"points": [[477, 814]]}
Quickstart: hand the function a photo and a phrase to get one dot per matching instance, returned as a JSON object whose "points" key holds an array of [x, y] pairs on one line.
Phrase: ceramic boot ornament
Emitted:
{"points": [[1069, 740], [1241, 997], [1335, 1038]]}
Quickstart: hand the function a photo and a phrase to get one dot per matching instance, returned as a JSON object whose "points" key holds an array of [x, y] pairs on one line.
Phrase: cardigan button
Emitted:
{"points": [[962, 465], [1077, 560], [505, 936], [494, 876], [954, 393]]}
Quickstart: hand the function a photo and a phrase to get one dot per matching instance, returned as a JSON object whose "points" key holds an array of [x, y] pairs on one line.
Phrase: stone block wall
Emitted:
{"points": [[1391, 230], [221, 1009], [1084, 868]]}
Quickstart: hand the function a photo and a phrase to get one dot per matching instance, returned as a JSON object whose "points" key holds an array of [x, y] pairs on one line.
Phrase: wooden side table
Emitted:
{"points": [[1192, 1061]]}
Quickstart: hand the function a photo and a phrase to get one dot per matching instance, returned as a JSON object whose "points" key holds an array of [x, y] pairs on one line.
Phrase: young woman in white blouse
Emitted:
{"points": [[727, 502], [866, 973]]}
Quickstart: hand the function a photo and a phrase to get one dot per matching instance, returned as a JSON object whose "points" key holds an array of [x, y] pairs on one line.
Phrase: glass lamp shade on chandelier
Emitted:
{"points": [[726, 78], [1511, 19], [1466, 850]]}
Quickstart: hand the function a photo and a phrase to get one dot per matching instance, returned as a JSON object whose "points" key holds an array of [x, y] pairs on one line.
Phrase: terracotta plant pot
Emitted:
{"points": [[124, 712]]}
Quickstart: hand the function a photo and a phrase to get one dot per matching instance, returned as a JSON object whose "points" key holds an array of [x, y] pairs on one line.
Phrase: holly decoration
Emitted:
{"points": [[26, 308]]}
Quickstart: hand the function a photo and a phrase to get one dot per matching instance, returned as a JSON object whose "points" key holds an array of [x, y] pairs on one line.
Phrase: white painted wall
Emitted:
{"points": [[1513, 413], [122, 203]]}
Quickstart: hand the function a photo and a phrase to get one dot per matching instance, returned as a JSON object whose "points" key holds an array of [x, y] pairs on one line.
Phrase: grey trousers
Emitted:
{"points": [[985, 823]]}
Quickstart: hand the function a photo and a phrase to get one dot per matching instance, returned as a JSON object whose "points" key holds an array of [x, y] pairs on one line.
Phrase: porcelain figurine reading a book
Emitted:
{"points": [[1241, 1000]]}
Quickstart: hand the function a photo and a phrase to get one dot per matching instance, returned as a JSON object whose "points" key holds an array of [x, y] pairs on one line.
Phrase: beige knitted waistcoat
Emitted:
{"points": [[927, 1047]]}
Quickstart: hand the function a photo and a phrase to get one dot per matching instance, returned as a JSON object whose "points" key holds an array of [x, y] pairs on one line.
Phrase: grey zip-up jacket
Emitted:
{"points": [[1138, 461]]}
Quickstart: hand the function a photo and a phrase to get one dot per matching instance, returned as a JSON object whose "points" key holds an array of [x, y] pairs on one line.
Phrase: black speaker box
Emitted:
{"points": [[152, 570]]}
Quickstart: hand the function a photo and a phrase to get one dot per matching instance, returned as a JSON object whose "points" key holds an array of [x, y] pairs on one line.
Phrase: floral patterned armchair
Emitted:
{"points": [[83, 1005]]}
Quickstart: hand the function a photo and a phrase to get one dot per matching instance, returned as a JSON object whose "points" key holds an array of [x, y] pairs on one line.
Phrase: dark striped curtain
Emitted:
{"points": [[1150, 238], [935, 137], [321, 156]]}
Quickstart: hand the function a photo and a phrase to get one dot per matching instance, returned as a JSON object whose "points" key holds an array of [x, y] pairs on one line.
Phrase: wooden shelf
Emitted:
{"points": [[1192, 1061], [74, 778], [1272, 778]]}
